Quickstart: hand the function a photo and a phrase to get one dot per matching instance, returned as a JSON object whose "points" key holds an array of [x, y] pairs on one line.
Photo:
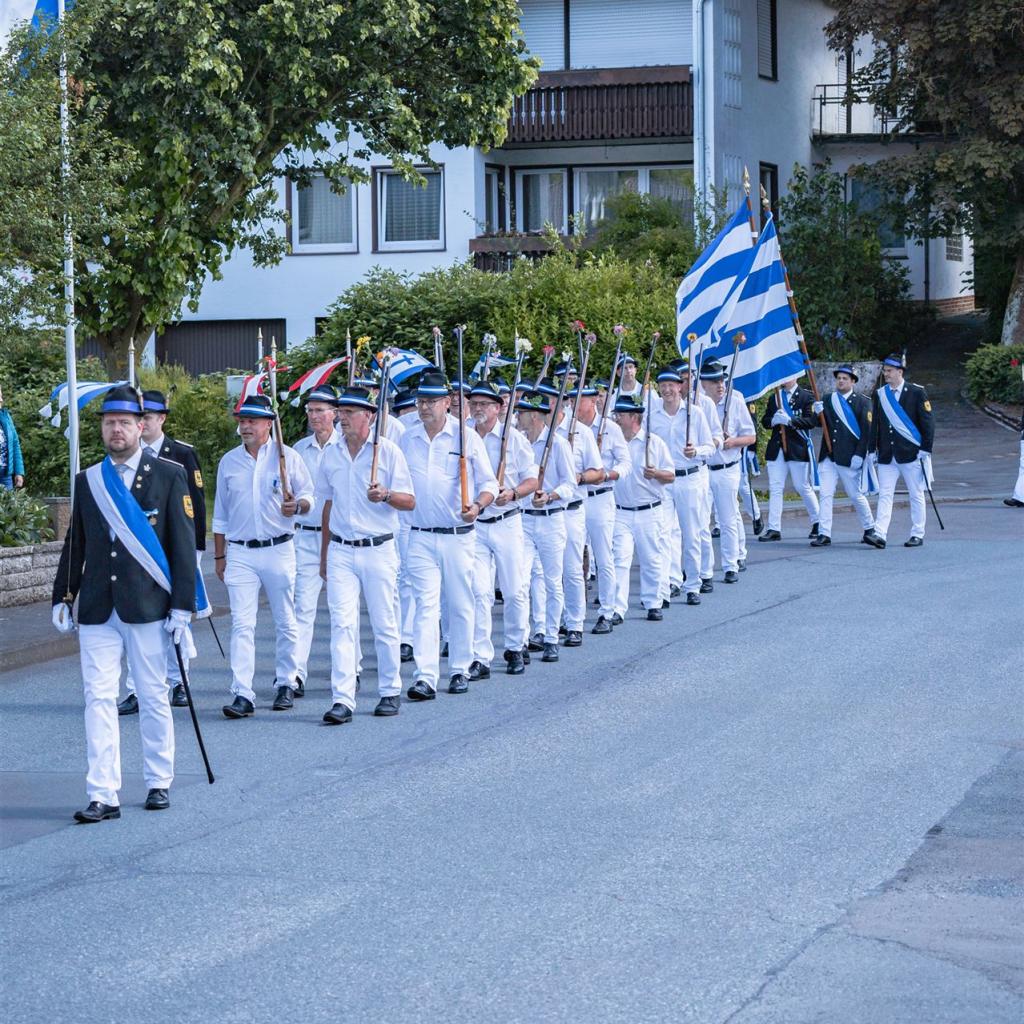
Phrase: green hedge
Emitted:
{"points": [[23, 519], [994, 373]]}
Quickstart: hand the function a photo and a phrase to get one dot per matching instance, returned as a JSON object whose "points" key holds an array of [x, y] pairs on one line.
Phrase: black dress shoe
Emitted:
{"points": [[283, 701], [601, 626], [655, 615], [387, 707], [444, 649], [814, 531], [821, 541], [478, 670], [359, 682], [458, 684], [914, 542], [574, 638], [741, 564], [178, 696], [536, 643], [499, 597], [97, 812], [550, 653], [758, 526], [596, 602], [731, 576], [666, 603], [420, 691], [692, 599], [706, 586], [405, 652], [675, 591], [238, 708], [716, 532], [516, 666], [299, 689], [129, 706], [525, 652], [562, 631], [872, 538], [1013, 503], [770, 535], [617, 619], [157, 800], [338, 715]]}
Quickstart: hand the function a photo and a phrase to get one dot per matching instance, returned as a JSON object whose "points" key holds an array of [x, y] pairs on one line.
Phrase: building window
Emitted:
{"points": [[955, 246], [732, 57], [732, 172], [541, 200], [867, 199], [410, 216], [494, 212], [676, 185], [325, 221], [595, 187], [767, 40], [769, 178]]}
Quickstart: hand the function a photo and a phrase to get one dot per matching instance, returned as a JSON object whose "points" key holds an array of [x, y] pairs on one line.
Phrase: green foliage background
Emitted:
{"points": [[992, 375]]}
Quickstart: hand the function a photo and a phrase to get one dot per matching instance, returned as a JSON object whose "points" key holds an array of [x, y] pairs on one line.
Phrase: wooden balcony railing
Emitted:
{"points": [[609, 104]]}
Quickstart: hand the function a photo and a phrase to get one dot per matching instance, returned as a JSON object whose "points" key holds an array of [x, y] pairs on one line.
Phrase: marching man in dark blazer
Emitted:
{"points": [[797, 415], [904, 431], [129, 556], [848, 422], [157, 444]]}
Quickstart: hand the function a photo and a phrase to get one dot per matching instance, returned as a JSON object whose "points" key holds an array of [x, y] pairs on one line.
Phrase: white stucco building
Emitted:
{"points": [[664, 96]]}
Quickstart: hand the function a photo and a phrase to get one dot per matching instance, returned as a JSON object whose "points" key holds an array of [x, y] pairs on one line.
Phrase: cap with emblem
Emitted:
{"points": [[565, 367], [502, 385], [433, 384], [712, 369], [322, 393], [255, 407], [122, 399], [627, 403], [847, 369], [356, 398], [546, 386], [405, 398], [534, 401], [485, 389], [154, 401]]}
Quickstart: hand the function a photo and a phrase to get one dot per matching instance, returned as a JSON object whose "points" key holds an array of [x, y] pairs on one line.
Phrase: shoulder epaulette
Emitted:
{"points": [[184, 444]]}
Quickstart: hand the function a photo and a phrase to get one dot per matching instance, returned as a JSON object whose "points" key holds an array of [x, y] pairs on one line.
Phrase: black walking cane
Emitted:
{"points": [[928, 488], [192, 711]]}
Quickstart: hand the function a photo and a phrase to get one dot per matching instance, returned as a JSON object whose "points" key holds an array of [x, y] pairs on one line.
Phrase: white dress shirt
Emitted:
{"points": [[675, 436], [393, 428], [153, 447], [434, 467], [584, 450], [614, 450], [520, 462], [344, 482], [249, 496], [313, 453], [737, 423], [633, 490], [560, 472]]}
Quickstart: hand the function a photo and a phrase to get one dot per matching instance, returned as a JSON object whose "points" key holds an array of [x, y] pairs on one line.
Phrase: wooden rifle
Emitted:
{"points": [[551, 434], [282, 466], [580, 381], [382, 410], [463, 471], [609, 399], [506, 426], [690, 339], [438, 350], [737, 339], [646, 392]]}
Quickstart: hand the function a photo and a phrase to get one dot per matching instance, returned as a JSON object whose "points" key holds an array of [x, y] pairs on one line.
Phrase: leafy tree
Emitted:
{"points": [[956, 66], [216, 98]]}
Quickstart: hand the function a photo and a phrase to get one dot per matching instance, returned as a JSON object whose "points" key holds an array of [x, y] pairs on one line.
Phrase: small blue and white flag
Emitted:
{"points": [[404, 364], [758, 306], [87, 390], [494, 361]]}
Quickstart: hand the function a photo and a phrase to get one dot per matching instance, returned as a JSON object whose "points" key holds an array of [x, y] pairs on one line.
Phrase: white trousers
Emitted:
{"points": [[404, 598], [247, 570], [689, 495], [600, 518], [307, 595], [831, 474], [799, 476], [499, 550], [545, 538], [639, 532], [723, 485], [100, 650], [573, 583], [436, 562], [671, 540], [1018, 491], [748, 504], [707, 548], [374, 573], [913, 477]]}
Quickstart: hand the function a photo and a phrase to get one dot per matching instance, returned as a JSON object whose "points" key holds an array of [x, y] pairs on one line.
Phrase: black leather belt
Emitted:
{"points": [[578, 503], [443, 529], [365, 542], [543, 511], [504, 515], [312, 529], [272, 543], [637, 508], [602, 490], [687, 472], [735, 462]]}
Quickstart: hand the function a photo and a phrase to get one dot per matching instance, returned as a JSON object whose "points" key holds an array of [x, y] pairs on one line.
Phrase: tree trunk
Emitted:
{"points": [[1013, 318], [115, 351]]}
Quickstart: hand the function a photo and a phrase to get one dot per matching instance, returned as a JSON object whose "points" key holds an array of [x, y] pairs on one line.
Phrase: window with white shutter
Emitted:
{"points": [[732, 56], [767, 40], [323, 220], [630, 33], [542, 24], [410, 216]]}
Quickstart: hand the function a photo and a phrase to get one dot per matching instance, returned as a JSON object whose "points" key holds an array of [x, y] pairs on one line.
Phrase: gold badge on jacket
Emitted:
{"points": [[199, 479], [927, 406], [188, 507]]}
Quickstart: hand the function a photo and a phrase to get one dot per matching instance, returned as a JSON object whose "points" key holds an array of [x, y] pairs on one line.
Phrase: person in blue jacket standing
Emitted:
{"points": [[12, 465]]}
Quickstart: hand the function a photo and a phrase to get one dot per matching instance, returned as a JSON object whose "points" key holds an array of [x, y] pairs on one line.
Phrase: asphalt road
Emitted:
{"points": [[800, 802]]}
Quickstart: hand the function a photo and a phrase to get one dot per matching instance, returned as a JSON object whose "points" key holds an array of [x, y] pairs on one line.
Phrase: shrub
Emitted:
{"points": [[23, 520], [994, 373]]}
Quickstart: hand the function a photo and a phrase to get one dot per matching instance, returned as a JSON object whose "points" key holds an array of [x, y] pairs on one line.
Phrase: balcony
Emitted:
{"points": [[609, 105], [839, 114]]}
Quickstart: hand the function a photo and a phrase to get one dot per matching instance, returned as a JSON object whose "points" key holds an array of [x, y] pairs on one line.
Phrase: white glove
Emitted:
{"points": [[63, 618], [857, 462], [176, 624], [781, 419], [925, 459], [817, 408]]}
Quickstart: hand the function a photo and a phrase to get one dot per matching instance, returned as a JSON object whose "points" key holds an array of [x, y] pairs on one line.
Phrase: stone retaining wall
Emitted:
{"points": [[26, 573]]}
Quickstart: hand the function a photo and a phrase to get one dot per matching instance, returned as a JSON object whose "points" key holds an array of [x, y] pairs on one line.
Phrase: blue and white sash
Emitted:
{"points": [[868, 476], [897, 416], [845, 414], [812, 465]]}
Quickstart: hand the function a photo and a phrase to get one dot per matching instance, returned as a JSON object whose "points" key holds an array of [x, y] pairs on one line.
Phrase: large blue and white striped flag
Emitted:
{"points": [[16, 12], [404, 363], [710, 280], [86, 391], [758, 305]]}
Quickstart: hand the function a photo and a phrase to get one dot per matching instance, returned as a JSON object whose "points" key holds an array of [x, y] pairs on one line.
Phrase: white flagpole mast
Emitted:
{"points": [[69, 269]]}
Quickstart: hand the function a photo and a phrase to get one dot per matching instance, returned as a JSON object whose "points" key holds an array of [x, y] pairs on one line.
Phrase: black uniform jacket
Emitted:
{"points": [[803, 419], [844, 444], [887, 443], [101, 572], [185, 456]]}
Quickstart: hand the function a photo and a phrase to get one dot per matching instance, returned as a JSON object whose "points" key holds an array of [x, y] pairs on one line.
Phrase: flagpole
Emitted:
{"points": [[69, 269], [799, 331]]}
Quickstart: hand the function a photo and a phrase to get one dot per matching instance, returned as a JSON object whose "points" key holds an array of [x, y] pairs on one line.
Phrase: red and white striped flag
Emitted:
{"points": [[312, 379], [251, 386]]}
